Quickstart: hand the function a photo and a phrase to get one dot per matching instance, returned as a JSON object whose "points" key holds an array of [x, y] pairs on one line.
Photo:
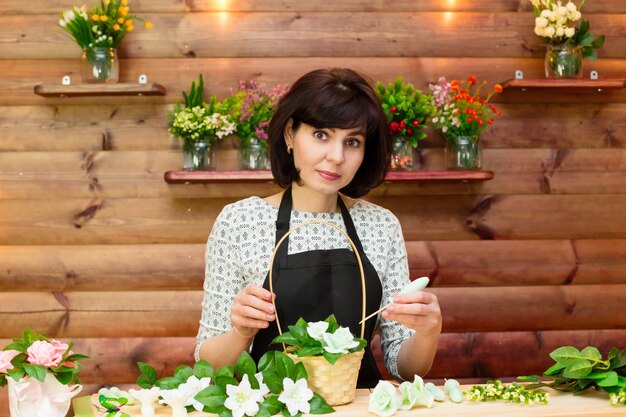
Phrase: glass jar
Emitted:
{"points": [[463, 152], [402, 154], [198, 154], [99, 65], [564, 61], [253, 154]]}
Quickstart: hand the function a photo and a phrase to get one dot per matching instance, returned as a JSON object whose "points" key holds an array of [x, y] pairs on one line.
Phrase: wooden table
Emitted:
{"points": [[590, 404]]}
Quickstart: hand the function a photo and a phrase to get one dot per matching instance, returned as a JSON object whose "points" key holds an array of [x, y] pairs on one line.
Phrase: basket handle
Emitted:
{"points": [[358, 258]]}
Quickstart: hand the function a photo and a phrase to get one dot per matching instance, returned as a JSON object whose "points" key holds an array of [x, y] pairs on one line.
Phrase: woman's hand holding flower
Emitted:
{"points": [[416, 310]]}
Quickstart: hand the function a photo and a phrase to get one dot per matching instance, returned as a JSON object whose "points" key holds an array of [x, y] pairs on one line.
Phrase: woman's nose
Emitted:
{"points": [[335, 152]]}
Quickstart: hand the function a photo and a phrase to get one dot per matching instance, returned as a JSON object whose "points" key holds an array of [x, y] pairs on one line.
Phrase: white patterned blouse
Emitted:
{"points": [[240, 246]]}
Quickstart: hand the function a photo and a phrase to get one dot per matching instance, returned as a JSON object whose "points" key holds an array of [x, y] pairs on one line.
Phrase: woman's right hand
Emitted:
{"points": [[252, 310]]}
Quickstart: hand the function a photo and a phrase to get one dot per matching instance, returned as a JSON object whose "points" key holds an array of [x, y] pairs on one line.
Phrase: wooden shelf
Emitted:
{"points": [[241, 176], [91, 90], [566, 84]]}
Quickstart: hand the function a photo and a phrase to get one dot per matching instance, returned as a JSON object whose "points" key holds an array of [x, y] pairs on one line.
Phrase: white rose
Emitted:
{"points": [[62, 22], [550, 31], [540, 31], [340, 341], [383, 400], [546, 13], [317, 330], [569, 32], [571, 7], [541, 22], [561, 10], [577, 16]]}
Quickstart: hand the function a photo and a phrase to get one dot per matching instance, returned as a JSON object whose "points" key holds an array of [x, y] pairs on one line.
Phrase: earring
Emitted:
{"points": [[289, 149]]}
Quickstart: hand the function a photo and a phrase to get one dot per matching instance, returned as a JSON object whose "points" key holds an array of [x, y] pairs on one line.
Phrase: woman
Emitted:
{"points": [[329, 145]]}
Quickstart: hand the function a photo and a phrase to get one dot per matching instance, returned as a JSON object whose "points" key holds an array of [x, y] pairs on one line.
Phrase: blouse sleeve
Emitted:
{"points": [[396, 277], [223, 279]]}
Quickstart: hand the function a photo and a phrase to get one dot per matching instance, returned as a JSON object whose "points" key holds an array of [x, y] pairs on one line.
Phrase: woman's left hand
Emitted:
{"points": [[417, 310]]}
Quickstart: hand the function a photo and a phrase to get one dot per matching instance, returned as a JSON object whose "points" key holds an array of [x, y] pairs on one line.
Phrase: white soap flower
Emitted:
{"points": [[383, 400], [316, 330], [340, 341], [569, 32], [541, 22], [296, 396]]}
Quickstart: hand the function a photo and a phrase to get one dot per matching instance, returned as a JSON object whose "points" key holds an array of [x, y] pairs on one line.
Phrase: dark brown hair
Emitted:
{"points": [[333, 98]]}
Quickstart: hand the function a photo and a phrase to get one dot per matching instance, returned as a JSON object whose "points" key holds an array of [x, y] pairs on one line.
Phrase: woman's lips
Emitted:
{"points": [[329, 176]]}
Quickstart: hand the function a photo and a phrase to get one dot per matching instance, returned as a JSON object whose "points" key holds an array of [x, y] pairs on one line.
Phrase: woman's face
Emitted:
{"points": [[327, 158]]}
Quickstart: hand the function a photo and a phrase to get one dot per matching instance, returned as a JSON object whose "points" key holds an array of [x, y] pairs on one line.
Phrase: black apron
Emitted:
{"points": [[318, 283]]}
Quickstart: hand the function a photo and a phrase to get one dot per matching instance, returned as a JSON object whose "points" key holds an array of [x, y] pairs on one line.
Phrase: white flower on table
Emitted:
{"points": [[340, 341], [147, 398], [383, 400], [263, 389], [242, 399], [177, 398], [115, 392], [196, 385], [296, 396], [316, 330]]}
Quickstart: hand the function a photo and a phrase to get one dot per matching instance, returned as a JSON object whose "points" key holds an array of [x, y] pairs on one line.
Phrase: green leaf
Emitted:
{"points": [[332, 357], [183, 373], [29, 337], [554, 369], [245, 365], [578, 369], [333, 325], [286, 338], [621, 381], [565, 355], [319, 405], [299, 333], [591, 353], [36, 371], [64, 377], [16, 346], [300, 372], [609, 381], [529, 378], [584, 383], [148, 375], [170, 382], [224, 371], [272, 405], [284, 365], [212, 397], [268, 360], [76, 356], [596, 375], [224, 380], [309, 351], [301, 323], [273, 381], [263, 412], [598, 42], [16, 374], [619, 361], [203, 369], [285, 413]]}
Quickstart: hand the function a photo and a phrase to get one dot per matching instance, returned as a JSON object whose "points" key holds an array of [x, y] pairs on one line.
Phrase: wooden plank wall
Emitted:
{"points": [[97, 248]]}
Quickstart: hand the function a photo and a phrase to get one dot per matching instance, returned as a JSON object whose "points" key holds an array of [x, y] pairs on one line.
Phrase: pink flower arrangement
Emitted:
{"points": [[34, 355], [252, 108]]}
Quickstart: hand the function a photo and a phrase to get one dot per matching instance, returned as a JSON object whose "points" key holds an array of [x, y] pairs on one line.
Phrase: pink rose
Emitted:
{"points": [[6, 356], [46, 353]]}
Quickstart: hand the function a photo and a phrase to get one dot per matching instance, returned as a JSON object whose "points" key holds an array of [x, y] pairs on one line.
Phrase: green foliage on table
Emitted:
{"points": [[576, 371], [406, 108], [274, 367]]}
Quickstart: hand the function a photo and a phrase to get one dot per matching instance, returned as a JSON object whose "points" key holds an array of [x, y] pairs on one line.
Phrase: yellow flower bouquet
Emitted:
{"points": [[99, 32]]}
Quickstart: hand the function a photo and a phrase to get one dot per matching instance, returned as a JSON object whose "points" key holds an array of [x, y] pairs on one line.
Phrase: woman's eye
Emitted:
{"points": [[353, 143], [320, 134]]}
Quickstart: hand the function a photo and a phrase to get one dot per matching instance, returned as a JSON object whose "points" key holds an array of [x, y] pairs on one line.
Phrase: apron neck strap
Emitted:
{"points": [[284, 218]]}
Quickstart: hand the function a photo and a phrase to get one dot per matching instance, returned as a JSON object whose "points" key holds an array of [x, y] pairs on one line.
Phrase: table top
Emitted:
{"points": [[561, 404]]}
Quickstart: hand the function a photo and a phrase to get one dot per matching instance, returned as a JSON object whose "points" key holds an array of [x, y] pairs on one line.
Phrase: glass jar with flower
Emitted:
{"points": [[252, 108], [39, 372], [461, 115], [566, 44], [407, 109], [99, 32], [199, 125]]}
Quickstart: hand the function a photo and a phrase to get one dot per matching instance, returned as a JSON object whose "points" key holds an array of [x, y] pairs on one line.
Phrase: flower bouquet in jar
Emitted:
{"points": [[41, 374]]}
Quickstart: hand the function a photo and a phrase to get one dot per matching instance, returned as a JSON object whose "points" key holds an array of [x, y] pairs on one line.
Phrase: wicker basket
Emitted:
{"points": [[336, 382]]}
